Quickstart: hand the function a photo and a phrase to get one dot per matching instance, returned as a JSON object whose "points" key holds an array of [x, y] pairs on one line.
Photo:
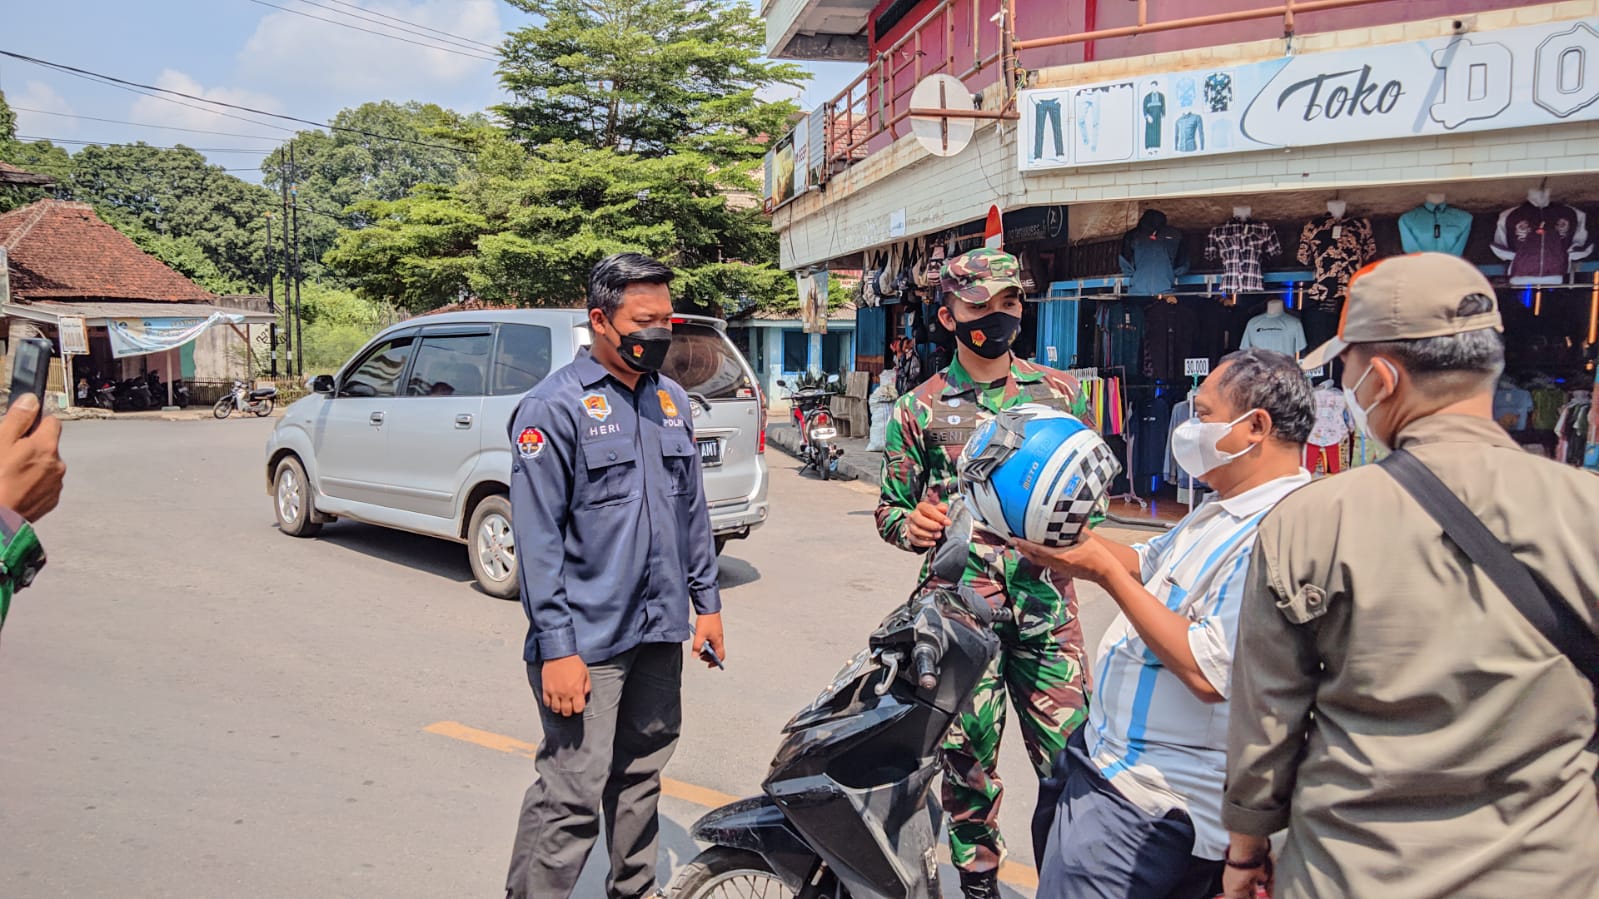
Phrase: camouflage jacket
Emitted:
{"points": [[930, 426]]}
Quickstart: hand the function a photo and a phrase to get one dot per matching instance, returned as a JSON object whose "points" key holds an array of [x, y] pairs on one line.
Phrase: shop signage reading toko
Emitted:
{"points": [[1515, 78]]}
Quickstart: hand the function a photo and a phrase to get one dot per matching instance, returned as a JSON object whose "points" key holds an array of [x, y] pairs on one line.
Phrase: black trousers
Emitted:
{"points": [[601, 766]]}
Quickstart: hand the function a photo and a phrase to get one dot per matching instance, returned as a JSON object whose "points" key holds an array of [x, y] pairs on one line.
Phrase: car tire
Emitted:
{"points": [[291, 500], [491, 548]]}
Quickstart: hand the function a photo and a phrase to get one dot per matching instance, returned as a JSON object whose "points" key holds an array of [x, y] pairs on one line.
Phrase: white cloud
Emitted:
{"points": [[294, 50], [41, 96], [194, 114]]}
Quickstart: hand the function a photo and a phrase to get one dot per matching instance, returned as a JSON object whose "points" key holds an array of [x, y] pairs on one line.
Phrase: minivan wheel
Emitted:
{"points": [[491, 548], [291, 500]]}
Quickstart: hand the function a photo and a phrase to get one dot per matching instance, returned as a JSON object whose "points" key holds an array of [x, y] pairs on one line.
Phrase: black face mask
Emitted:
{"points": [[645, 349], [990, 336]]}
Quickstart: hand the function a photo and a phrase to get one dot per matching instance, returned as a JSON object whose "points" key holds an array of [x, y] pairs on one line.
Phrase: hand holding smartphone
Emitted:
{"points": [[30, 373]]}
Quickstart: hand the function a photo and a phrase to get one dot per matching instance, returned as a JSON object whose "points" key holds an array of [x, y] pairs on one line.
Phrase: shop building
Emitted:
{"points": [[1182, 180], [116, 311]]}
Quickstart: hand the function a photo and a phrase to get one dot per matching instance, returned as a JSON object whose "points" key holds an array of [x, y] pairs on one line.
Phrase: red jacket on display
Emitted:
{"points": [[1541, 242]]}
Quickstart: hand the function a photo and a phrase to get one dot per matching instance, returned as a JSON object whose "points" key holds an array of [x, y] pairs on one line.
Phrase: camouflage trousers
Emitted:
{"points": [[1040, 667]]}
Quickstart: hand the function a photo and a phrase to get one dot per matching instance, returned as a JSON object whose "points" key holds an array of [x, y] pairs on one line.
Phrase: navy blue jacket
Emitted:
{"points": [[613, 538]]}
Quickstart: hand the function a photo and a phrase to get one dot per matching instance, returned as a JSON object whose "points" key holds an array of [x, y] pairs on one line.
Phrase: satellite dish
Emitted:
{"points": [[942, 135]]}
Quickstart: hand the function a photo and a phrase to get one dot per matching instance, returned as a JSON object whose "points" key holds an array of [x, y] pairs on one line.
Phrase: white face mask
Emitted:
{"points": [[1359, 414], [1193, 445]]}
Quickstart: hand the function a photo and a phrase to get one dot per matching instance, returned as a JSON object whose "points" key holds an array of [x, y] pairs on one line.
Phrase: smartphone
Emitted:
{"points": [[709, 654], [30, 372]]}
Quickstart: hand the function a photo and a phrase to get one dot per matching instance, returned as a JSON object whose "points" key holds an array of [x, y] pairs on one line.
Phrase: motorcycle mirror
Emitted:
{"points": [[953, 550], [832, 379], [781, 383]]}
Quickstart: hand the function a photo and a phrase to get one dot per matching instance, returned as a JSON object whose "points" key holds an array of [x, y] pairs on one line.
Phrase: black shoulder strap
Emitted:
{"points": [[1553, 617]]}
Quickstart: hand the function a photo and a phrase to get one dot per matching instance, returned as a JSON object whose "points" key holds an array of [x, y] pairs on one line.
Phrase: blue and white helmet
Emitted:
{"points": [[1035, 473]]}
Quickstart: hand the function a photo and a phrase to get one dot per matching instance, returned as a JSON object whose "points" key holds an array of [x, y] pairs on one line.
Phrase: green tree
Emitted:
{"points": [[401, 147], [635, 126], [41, 157], [177, 207], [8, 126], [644, 76]]}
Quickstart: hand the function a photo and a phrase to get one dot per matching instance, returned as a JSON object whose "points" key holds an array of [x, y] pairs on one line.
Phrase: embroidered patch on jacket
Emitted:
{"points": [[597, 406]]}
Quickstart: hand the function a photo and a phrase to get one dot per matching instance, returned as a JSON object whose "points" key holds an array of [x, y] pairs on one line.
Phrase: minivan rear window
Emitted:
{"points": [[705, 363]]}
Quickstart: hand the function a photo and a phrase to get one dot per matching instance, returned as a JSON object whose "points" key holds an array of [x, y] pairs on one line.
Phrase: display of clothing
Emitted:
{"points": [[1047, 113], [1546, 405], [1541, 242], [1219, 92], [1332, 417], [1435, 228], [1121, 332], [1153, 255], [1281, 332], [1337, 247], [1154, 114], [1169, 329], [1323, 460], [1242, 246], [1190, 133], [1186, 93], [1512, 406], [1572, 429], [1150, 426], [1088, 116]]}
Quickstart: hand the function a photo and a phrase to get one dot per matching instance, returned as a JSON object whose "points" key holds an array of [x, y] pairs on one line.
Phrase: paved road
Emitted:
{"points": [[192, 704]]}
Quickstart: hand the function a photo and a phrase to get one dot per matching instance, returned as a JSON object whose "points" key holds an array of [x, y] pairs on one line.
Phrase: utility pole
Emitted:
{"points": [[272, 305], [288, 302], [299, 332]]}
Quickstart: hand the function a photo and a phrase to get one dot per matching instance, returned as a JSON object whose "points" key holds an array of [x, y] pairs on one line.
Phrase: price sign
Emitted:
{"points": [[1200, 366], [1050, 352], [1317, 373]]}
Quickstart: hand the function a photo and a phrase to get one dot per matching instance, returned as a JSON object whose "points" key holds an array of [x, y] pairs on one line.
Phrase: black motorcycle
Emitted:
{"points": [[811, 409], [847, 809], [133, 395]]}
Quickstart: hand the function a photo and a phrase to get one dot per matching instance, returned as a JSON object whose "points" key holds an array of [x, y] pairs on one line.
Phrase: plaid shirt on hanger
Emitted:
{"points": [[1242, 246]]}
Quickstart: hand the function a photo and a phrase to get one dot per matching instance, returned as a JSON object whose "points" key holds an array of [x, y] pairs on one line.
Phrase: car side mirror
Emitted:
{"points": [[323, 384]]}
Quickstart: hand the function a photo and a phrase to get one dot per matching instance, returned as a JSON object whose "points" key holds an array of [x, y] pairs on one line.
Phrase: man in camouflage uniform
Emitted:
{"points": [[1041, 660]]}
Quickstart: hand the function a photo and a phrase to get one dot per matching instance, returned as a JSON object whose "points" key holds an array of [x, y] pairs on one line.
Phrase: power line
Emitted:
{"points": [[464, 43], [90, 118], [417, 24], [103, 143], [394, 37], [253, 111]]}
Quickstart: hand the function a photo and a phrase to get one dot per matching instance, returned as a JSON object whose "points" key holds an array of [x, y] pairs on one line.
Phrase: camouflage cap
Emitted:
{"points": [[980, 275]]}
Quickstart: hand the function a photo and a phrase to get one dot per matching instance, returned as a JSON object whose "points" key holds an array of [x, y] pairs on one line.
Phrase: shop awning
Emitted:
{"points": [[102, 314]]}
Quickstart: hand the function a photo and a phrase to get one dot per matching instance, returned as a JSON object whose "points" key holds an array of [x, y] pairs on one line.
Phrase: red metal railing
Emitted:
{"points": [[868, 114]]}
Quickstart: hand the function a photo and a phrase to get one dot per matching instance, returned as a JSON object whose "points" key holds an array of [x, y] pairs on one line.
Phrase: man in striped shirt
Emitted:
{"points": [[1139, 813]]}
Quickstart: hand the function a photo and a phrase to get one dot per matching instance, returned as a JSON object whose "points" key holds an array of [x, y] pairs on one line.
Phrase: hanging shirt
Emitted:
{"points": [[1282, 333], [1435, 228], [1190, 133], [1186, 92], [1159, 745], [1337, 248], [1332, 417], [1512, 405], [1219, 92], [1242, 246], [1541, 243]]}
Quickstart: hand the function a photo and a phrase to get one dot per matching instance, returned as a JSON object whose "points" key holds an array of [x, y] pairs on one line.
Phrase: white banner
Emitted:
{"points": [[1515, 78], [139, 336], [74, 334]]}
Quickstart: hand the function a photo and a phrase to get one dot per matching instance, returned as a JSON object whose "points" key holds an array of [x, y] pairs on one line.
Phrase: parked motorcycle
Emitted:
{"points": [[817, 431], [258, 402], [133, 395], [847, 810], [158, 391], [104, 392]]}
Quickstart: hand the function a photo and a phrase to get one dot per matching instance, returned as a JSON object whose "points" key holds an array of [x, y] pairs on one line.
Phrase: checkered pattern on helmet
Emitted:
{"points": [[1098, 468]]}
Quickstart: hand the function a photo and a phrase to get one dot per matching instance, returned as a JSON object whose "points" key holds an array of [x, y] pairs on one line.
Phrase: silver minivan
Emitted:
{"points": [[413, 432]]}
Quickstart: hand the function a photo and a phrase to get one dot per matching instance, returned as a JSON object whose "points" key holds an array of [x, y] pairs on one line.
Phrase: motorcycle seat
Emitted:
{"points": [[261, 393]]}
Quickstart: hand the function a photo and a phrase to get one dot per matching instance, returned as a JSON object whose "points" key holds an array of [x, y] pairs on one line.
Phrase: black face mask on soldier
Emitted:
{"points": [[990, 336], [644, 350]]}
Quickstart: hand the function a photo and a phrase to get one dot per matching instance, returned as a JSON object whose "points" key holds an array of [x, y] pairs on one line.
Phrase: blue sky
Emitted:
{"points": [[254, 55]]}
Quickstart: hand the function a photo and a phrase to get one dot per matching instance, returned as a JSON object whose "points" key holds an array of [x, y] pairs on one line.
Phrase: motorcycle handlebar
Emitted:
{"points": [[924, 661]]}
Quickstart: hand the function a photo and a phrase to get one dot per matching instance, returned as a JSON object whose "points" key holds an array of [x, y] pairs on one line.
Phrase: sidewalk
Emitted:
{"points": [[856, 464]]}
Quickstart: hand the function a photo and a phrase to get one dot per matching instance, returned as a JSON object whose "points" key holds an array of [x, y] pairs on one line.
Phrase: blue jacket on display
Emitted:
{"points": [[1153, 256]]}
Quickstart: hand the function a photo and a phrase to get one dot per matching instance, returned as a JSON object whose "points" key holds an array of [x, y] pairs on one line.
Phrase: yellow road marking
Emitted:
{"points": [[1010, 872]]}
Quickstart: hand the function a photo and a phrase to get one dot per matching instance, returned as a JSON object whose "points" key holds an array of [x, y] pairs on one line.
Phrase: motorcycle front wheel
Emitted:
{"points": [[224, 407], [263, 408], [723, 873]]}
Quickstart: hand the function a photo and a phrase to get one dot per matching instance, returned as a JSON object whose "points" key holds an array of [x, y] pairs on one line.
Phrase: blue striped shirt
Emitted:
{"points": [[1161, 746]]}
